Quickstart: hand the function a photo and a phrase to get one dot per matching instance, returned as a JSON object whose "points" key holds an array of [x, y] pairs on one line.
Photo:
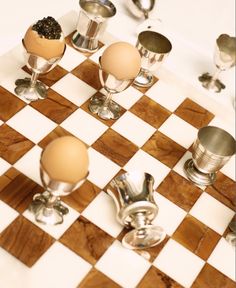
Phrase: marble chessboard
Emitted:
{"points": [[155, 134]]}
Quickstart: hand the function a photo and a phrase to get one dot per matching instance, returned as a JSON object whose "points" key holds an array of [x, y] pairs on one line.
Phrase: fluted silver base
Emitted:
{"points": [[25, 89]]}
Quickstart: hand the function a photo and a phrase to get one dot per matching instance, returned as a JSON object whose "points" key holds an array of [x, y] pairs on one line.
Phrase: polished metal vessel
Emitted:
{"points": [[231, 236], [140, 8], [104, 107], [211, 151], [31, 88], [132, 193], [224, 59], [153, 48], [92, 22], [47, 206]]}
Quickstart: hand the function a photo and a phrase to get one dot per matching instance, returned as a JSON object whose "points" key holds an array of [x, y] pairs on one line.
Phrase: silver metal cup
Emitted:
{"points": [[92, 22], [31, 88], [47, 206], [153, 48], [140, 8], [224, 58], [211, 151], [104, 107], [132, 193]]}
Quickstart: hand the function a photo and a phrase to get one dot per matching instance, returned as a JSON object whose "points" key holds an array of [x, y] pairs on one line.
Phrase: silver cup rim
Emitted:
{"points": [[104, 3]]}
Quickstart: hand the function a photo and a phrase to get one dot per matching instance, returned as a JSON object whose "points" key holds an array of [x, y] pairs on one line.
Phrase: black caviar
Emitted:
{"points": [[48, 27]]}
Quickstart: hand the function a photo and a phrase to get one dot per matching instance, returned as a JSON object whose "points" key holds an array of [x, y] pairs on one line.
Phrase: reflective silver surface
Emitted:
{"points": [[91, 24], [224, 58], [153, 48], [31, 88], [211, 151], [132, 193], [140, 8]]}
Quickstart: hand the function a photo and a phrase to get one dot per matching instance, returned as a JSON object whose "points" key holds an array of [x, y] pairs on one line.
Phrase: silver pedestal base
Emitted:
{"points": [[106, 112], [196, 176], [143, 80], [45, 213], [25, 89], [210, 83], [84, 44]]}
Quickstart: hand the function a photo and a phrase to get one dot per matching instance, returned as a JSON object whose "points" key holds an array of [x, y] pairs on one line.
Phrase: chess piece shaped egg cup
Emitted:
{"points": [[154, 49], [224, 59], [31, 88], [132, 193], [91, 24], [211, 151]]}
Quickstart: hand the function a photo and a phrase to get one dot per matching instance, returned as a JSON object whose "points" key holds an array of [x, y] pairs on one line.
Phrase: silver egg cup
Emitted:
{"points": [[153, 48], [224, 59], [91, 24], [140, 8], [47, 206], [132, 193], [31, 88], [211, 151]]}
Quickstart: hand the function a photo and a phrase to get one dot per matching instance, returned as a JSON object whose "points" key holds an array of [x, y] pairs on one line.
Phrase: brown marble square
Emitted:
{"points": [[164, 149], [87, 240], [25, 241], [55, 107], [224, 190], [115, 147], [82, 196], [209, 277], [96, 279], [145, 89], [51, 77], [110, 122], [196, 236], [9, 104], [179, 190], [88, 72], [150, 111], [13, 145], [194, 114], [154, 278], [19, 191]]}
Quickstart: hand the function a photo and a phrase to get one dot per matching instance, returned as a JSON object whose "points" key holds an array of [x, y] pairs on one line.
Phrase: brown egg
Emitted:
{"points": [[40, 46], [65, 159], [122, 60]]}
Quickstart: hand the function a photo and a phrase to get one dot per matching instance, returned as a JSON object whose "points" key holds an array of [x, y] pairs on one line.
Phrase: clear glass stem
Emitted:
{"points": [[33, 80], [51, 201], [107, 100], [216, 74]]}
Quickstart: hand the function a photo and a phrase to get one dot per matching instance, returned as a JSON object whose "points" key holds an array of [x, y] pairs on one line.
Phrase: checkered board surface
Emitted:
{"points": [[155, 134]]}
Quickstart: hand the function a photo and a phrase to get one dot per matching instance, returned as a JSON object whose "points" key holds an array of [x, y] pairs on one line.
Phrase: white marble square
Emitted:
{"points": [[144, 162], [102, 212], [122, 265], [133, 128], [128, 97], [71, 59], [4, 166], [212, 213], [179, 130], [230, 168], [29, 164], [73, 89], [32, 124], [179, 263], [96, 55], [84, 126], [1, 122], [166, 95], [7, 215], [64, 268], [169, 215], [179, 167], [55, 231], [223, 258], [101, 169]]}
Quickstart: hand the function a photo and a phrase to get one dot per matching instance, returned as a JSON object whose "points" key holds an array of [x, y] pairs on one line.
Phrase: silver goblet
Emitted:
{"points": [[132, 193], [47, 206], [211, 151], [31, 88], [140, 8], [104, 106], [91, 23], [153, 48], [224, 58]]}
